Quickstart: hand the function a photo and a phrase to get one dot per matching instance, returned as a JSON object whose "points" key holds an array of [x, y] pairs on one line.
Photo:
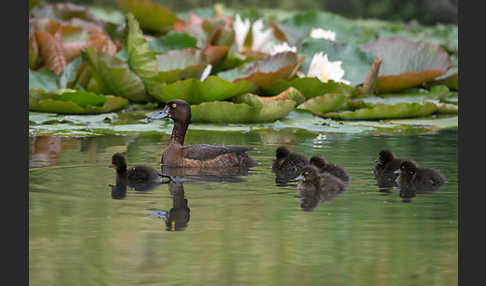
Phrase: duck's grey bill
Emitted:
{"points": [[397, 171], [158, 115], [299, 178]]}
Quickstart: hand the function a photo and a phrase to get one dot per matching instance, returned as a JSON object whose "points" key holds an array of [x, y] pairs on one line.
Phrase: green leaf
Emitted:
{"points": [[115, 76], [355, 62], [45, 79], [383, 111], [229, 112], [150, 15], [73, 101], [418, 62], [69, 72], [194, 91], [141, 60], [324, 103], [173, 41], [312, 87], [346, 30]]}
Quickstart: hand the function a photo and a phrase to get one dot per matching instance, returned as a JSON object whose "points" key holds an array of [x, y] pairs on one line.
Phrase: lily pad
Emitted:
{"points": [[150, 15], [229, 112], [355, 62], [73, 102], [383, 111], [325, 103], [141, 60], [172, 41], [302, 24], [195, 91], [45, 79], [311, 87], [407, 63], [264, 73], [115, 76]]}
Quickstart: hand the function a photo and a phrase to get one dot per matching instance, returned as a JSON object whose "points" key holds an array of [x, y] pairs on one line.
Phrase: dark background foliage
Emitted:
{"points": [[428, 12]]}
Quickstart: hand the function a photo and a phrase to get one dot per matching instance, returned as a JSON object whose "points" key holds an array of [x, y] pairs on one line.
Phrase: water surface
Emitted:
{"points": [[238, 230]]}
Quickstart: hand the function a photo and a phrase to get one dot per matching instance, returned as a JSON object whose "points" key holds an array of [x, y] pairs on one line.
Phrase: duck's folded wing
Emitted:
{"points": [[210, 151]]}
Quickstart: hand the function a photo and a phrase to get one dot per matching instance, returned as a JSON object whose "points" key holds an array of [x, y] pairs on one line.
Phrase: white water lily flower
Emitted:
{"points": [[325, 70], [276, 49], [241, 29], [323, 34], [206, 72], [261, 38]]}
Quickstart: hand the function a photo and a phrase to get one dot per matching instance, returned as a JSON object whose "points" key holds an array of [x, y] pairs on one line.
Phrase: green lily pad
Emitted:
{"points": [[114, 76], [229, 112], [45, 79], [346, 30], [311, 87], [150, 15], [172, 41], [324, 103], [384, 111], [195, 91], [418, 62], [355, 62], [264, 73], [141, 60], [73, 102]]}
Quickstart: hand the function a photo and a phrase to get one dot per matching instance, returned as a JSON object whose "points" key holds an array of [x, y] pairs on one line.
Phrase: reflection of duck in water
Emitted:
{"points": [[197, 156], [119, 191], [141, 178], [317, 187], [180, 214], [287, 165], [385, 167], [418, 179]]}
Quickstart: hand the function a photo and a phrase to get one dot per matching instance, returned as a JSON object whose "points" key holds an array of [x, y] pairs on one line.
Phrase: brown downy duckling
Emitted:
{"points": [[386, 164], [311, 180], [287, 165], [421, 179], [326, 167], [198, 156], [137, 174]]}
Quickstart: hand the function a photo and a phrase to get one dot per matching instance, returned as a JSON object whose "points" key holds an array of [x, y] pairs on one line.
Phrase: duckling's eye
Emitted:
{"points": [[174, 105]]}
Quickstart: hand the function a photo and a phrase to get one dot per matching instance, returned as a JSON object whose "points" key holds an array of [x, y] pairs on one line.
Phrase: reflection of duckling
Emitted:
{"points": [[119, 191], [180, 214], [418, 178], [142, 178], [287, 165], [384, 168], [333, 169]]}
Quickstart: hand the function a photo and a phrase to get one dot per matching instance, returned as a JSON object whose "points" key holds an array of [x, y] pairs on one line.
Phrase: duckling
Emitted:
{"points": [[135, 175], [197, 156], [313, 181], [418, 178], [384, 168], [333, 169], [287, 165]]}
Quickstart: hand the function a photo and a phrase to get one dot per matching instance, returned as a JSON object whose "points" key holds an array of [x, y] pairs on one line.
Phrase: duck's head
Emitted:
{"points": [[282, 152], [318, 161], [177, 110], [118, 161], [407, 170], [308, 174], [384, 156]]}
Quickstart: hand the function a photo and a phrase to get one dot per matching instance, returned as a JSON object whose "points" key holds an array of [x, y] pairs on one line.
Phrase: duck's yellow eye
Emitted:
{"points": [[174, 105]]}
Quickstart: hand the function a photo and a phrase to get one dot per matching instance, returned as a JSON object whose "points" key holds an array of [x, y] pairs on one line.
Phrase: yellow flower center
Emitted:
{"points": [[324, 78]]}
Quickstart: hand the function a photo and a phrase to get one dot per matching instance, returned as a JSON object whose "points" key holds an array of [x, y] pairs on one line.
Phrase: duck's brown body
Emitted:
{"points": [[197, 156]]}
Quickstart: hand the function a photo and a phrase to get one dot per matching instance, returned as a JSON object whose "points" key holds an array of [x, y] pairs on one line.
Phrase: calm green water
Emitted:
{"points": [[243, 230]]}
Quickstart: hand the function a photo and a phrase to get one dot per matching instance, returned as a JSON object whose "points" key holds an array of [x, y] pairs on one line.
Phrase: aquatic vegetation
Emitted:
{"points": [[240, 66]]}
